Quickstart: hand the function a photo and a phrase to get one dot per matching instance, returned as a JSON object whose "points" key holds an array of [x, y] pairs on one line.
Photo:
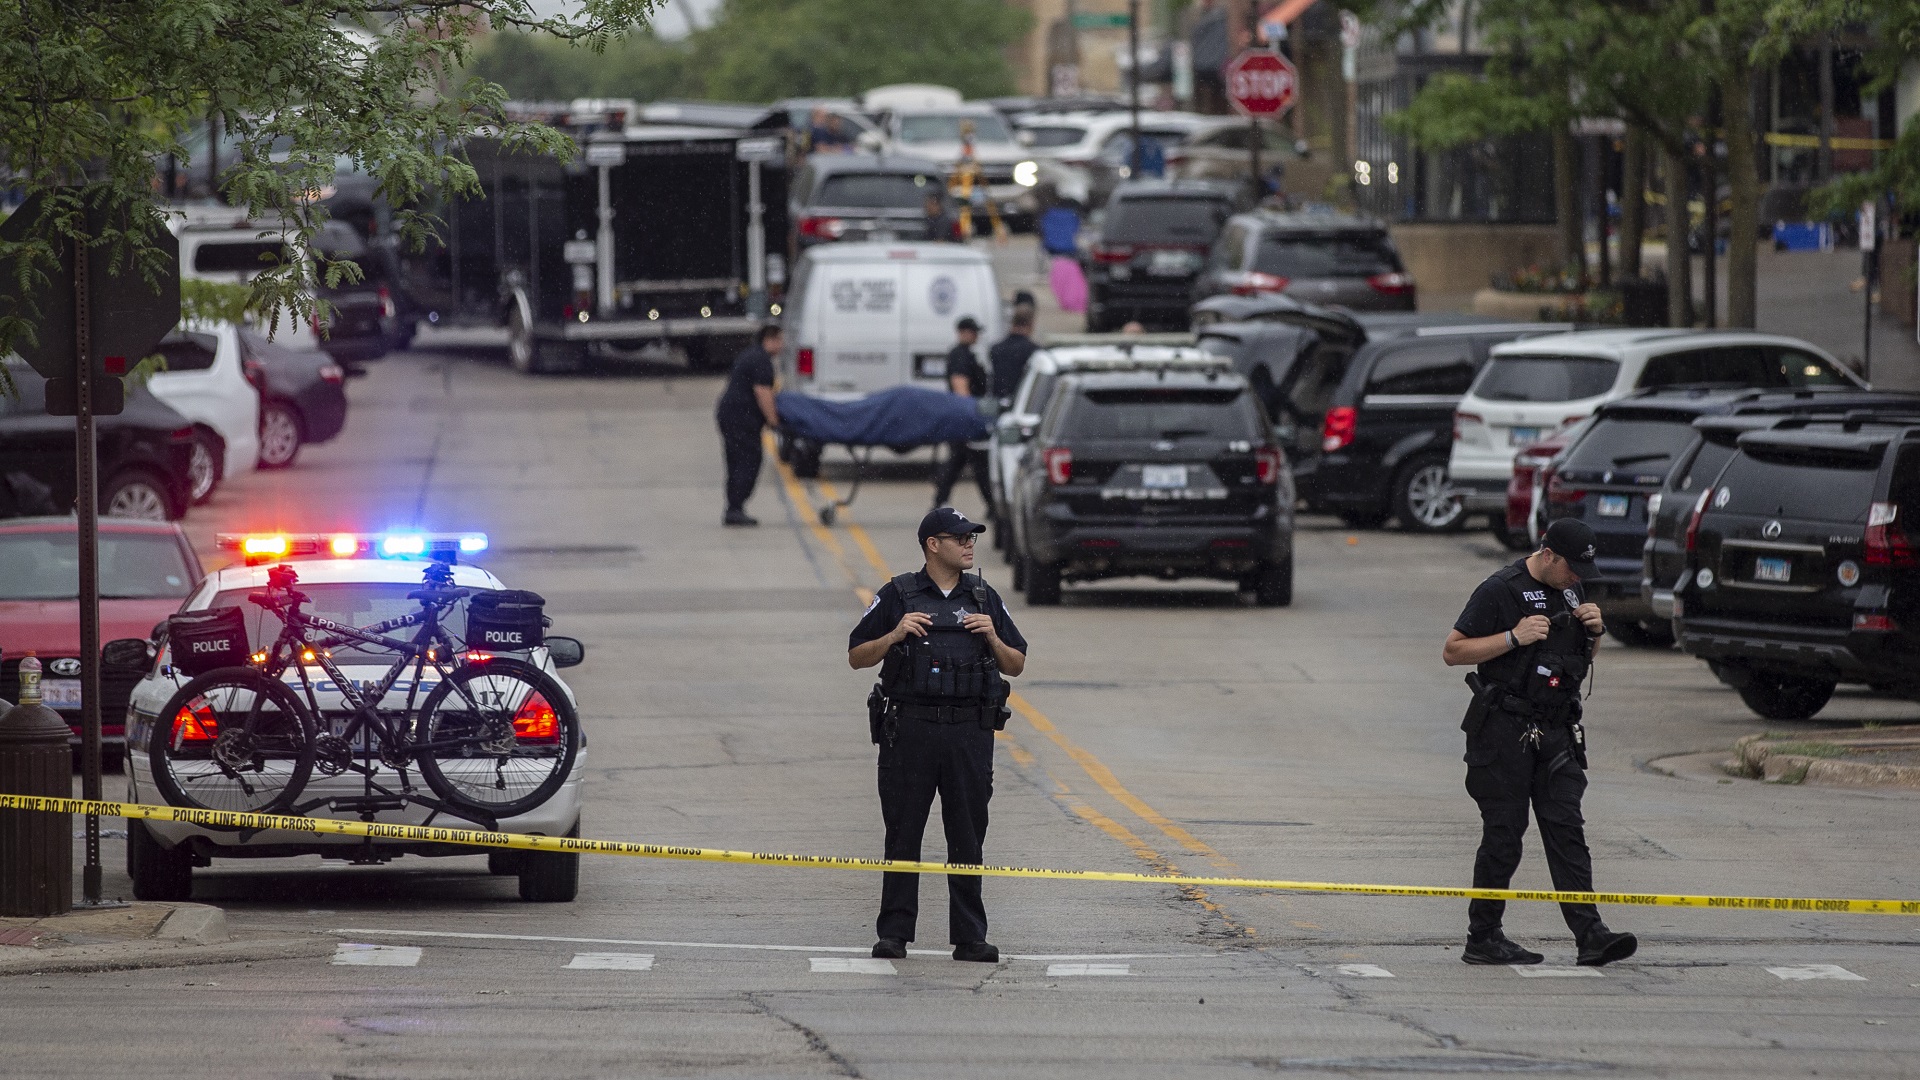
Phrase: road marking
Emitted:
{"points": [[1804, 972], [857, 949], [349, 954], [1534, 972], [852, 965], [610, 961], [1363, 971], [1057, 970]]}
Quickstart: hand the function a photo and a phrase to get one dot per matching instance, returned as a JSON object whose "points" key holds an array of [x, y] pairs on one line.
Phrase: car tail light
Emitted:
{"points": [[1113, 253], [536, 722], [1100, 544], [387, 310], [1254, 282], [1654, 502], [1059, 461], [803, 362], [1394, 284], [332, 373], [1887, 543], [1266, 464], [184, 434], [1693, 522], [1879, 623], [822, 228], [1337, 429], [256, 372], [195, 723], [1461, 418], [1559, 493]]}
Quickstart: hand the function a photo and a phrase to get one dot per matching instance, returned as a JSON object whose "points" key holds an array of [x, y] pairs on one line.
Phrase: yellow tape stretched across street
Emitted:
{"points": [[524, 842]]}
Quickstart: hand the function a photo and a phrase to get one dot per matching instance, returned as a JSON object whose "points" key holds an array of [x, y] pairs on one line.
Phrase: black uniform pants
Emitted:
{"points": [[917, 760], [959, 456], [1505, 777], [743, 451]]}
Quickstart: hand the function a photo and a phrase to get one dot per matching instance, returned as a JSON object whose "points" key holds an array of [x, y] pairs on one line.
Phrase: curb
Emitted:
{"points": [[198, 924], [128, 956], [1754, 757]]}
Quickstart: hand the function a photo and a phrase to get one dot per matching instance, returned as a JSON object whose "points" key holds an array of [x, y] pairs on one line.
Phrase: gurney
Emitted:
{"points": [[901, 419]]}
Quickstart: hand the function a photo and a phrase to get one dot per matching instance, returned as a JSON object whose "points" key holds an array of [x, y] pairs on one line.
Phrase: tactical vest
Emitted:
{"points": [[951, 665], [1546, 675]]}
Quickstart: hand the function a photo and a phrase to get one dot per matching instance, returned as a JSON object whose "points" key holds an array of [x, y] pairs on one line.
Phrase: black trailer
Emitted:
{"points": [[650, 235]]}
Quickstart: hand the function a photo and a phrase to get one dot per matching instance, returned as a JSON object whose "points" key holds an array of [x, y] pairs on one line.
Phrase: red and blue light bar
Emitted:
{"points": [[400, 544]]}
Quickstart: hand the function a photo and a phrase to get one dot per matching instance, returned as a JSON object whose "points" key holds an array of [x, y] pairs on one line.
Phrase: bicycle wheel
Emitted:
{"points": [[232, 739], [498, 736]]}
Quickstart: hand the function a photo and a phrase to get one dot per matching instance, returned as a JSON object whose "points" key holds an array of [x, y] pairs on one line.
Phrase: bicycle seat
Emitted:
{"points": [[439, 596]]}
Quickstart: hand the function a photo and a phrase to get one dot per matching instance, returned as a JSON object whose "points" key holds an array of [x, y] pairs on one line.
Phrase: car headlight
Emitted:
{"points": [[1026, 174]]}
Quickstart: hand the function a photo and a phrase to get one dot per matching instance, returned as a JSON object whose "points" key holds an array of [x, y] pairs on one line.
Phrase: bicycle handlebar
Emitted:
{"points": [[274, 599], [439, 596]]}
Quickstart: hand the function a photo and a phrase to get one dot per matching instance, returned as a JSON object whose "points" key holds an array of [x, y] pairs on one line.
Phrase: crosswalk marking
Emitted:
{"points": [[1364, 971], [355, 955], [1055, 970], [1803, 972], [851, 965], [610, 961], [1532, 972]]}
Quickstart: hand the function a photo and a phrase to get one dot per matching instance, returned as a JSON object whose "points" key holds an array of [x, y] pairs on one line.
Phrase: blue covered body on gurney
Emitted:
{"points": [[900, 419]]}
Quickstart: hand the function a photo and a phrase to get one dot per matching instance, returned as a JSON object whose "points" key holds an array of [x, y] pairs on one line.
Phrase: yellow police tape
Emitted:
{"points": [[523, 842]]}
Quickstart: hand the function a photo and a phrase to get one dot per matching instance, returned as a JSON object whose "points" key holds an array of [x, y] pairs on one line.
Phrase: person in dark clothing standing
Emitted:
{"points": [[942, 226], [1533, 635], [1009, 357], [746, 405], [945, 641], [964, 376]]}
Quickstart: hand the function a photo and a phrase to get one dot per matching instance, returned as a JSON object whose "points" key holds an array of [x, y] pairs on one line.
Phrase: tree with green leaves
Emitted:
{"points": [[95, 93], [1895, 29]]}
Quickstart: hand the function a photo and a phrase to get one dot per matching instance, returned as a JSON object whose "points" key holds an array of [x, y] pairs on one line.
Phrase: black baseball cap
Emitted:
{"points": [[1572, 540], [966, 323], [946, 521]]}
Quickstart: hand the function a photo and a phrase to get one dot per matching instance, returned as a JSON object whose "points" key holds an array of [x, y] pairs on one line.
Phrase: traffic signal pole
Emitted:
{"points": [[1253, 122]]}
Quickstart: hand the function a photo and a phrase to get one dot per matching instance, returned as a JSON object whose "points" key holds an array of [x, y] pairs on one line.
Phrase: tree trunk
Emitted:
{"points": [[1572, 248], [1633, 201], [1679, 266], [1743, 218]]}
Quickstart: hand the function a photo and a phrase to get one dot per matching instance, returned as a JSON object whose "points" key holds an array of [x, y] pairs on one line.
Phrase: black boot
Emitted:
{"points": [[979, 952], [890, 949], [738, 517], [1604, 946], [1498, 950]]}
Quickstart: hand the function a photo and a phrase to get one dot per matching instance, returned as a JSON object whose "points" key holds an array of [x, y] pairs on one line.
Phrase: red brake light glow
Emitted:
{"points": [[1059, 461], [803, 362], [1394, 284], [822, 228], [1254, 282], [195, 723], [1337, 429], [1113, 253], [536, 722]]}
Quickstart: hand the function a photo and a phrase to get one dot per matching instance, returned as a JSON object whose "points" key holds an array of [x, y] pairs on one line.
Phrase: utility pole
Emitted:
{"points": [[1253, 123], [1133, 80]]}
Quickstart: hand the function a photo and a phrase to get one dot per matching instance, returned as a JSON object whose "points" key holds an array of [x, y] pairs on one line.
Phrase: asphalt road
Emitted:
{"points": [[1161, 726]]}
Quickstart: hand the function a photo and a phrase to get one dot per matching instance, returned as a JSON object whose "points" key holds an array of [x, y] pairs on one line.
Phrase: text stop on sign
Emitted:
{"points": [[1261, 83]]}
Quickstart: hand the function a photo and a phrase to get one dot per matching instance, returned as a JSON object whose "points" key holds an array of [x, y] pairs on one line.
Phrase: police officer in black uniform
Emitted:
{"points": [[1533, 636], [745, 405], [944, 641], [964, 376], [1010, 354]]}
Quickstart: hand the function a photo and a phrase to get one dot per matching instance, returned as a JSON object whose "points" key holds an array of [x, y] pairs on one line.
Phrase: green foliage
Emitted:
{"points": [[214, 301], [1895, 31], [539, 68], [1454, 109]]}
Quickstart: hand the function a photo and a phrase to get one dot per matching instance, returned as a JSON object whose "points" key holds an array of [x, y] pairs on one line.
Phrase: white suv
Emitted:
{"points": [[1533, 388]]}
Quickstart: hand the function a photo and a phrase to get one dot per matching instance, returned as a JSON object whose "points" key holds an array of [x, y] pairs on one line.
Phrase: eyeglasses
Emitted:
{"points": [[963, 541]]}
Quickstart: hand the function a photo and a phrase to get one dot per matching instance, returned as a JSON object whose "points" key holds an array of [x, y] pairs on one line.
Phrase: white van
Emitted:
{"points": [[862, 318], [206, 382], [1535, 387]]}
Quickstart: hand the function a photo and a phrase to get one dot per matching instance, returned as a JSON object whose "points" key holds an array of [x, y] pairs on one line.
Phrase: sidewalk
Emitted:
{"points": [[139, 935]]}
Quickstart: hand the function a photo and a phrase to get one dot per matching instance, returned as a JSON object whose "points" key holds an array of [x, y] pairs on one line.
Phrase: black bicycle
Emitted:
{"points": [[494, 737]]}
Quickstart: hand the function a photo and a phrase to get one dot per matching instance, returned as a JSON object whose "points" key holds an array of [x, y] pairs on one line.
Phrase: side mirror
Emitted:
{"points": [[126, 654], [565, 651]]}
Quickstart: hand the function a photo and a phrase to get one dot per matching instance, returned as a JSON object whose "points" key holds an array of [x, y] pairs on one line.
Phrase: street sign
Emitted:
{"points": [[1100, 20], [608, 153], [127, 315], [1261, 83]]}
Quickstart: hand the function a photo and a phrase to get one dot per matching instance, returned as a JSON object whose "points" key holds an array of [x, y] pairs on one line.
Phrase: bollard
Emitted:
{"points": [[36, 849]]}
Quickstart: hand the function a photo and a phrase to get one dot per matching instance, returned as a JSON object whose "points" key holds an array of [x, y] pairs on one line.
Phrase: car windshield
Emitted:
{"points": [[945, 127], [353, 603], [1170, 220], [133, 566], [1804, 486], [1637, 447], [1546, 378], [1049, 137], [1291, 255], [1165, 413], [877, 191]]}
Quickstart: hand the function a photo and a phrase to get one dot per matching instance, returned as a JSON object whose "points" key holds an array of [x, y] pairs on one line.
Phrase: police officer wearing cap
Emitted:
{"points": [[966, 377], [1533, 635], [945, 643]]}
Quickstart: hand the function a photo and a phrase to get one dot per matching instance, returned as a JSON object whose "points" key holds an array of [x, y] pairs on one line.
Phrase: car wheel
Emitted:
{"points": [[158, 873], [1641, 635], [136, 493], [1778, 696], [280, 435], [522, 351], [1043, 584], [1274, 585], [550, 877], [203, 469], [1018, 568], [1421, 499]]}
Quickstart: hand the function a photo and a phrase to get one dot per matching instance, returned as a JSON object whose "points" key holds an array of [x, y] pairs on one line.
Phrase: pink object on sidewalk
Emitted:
{"points": [[1069, 284]]}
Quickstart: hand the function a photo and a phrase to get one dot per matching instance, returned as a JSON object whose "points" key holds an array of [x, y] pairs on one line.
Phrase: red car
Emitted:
{"points": [[1532, 471], [146, 569]]}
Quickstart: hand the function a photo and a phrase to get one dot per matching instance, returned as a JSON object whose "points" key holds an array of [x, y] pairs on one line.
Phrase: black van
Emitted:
{"points": [[1803, 563]]}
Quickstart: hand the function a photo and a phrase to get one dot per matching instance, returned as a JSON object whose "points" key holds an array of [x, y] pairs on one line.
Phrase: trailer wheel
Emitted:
{"points": [[522, 351]]}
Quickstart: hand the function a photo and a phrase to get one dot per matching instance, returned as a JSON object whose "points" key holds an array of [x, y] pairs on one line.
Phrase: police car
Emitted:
{"points": [[366, 582]]}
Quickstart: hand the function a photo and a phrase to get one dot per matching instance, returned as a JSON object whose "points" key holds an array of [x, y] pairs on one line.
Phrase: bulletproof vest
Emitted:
{"points": [[951, 664], [1546, 673]]}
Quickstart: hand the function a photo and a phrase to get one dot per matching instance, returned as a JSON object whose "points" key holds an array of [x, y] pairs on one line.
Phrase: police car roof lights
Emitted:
{"points": [[266, 547]]}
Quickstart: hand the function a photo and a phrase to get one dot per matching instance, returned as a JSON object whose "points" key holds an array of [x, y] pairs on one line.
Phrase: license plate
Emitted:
{"points": [[1163, 476], [883, 236], [1777, 571], [1613, 506], [1169, 263], [930, 365], [1522, 436], [60, 693]]}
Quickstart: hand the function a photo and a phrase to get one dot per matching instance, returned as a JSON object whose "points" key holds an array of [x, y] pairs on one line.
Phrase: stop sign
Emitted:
{"points": [[1261, 83]]}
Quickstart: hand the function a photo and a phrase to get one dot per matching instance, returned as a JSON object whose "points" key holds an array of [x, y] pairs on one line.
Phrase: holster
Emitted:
{"points": [[876, 713], [1001, 693], [1485, 693]]}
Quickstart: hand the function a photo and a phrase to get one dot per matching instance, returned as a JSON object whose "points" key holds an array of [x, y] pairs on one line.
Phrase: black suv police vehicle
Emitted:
{"points": [[1164, 473], [1802, 567]]}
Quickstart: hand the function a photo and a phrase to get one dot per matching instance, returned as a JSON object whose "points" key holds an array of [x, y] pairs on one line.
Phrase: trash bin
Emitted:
{"points": [[36, 848]]}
